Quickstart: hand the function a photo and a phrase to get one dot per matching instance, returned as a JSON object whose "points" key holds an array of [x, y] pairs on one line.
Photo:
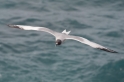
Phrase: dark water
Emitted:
{"points": [[30, 56]]}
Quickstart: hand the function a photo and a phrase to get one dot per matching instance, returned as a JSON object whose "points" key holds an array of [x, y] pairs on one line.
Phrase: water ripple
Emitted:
{"points": [[31, 56]]}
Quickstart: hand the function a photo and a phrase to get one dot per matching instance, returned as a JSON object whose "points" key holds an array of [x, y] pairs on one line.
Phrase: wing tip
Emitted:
{"points": [[13, 26], [108, 50]]}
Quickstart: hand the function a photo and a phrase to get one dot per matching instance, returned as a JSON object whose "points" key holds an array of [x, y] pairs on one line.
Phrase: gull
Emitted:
{"points": [[61, 37]]}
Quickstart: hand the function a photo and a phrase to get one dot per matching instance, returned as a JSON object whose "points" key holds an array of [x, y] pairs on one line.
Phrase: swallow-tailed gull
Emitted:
{"points": [[60, 37]]}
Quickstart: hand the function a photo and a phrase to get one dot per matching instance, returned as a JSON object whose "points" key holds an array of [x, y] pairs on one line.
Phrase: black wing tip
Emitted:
{"points": [[13, 26], [108, 50], [10, 25]]}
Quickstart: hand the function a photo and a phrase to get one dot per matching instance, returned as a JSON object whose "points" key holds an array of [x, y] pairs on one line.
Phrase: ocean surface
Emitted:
{"points": [[31, 56]]}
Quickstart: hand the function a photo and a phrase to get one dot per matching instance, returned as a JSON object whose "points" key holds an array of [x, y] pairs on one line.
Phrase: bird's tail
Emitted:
{"points": [[66, 32]]}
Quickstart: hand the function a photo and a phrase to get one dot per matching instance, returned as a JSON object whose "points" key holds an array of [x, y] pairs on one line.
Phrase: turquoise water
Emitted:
{"points": [[30, 56]]}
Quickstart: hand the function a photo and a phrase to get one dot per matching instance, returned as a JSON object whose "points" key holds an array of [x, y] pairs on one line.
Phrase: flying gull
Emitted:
{"points": [[60, 37]]}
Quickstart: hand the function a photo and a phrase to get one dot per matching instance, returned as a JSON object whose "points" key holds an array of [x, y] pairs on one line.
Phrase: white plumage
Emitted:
{"points": [[60, 37]]}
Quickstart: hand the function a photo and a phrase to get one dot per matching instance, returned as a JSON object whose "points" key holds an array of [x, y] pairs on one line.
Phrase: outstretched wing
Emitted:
{"points": [[92, 44], [34, 28]]}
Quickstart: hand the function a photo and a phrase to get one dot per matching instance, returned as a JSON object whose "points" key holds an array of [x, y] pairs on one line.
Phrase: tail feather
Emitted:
{"points": [[66, 32]]}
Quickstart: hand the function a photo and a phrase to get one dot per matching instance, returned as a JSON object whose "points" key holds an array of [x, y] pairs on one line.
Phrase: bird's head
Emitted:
{"points": [[58, 42]]}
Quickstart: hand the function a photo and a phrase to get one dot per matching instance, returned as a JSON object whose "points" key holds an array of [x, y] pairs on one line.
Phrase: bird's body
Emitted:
{"points": [[61, 37]]}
